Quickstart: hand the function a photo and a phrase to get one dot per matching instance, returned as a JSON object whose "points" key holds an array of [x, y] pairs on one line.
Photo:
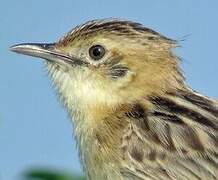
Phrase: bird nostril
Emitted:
{"points": [[48, 45]]}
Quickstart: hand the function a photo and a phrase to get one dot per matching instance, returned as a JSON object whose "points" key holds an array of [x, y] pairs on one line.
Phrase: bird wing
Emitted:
{"points": [[176, 139]]}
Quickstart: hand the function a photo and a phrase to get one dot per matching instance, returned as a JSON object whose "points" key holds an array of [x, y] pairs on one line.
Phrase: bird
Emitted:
{"points": [[133, 114]]}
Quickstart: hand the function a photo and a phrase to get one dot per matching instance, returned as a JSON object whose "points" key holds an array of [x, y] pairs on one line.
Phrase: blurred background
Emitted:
{"points": [[35, 132]]}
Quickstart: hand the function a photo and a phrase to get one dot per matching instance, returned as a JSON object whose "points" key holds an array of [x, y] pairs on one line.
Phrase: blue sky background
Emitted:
{"points": [[34, 128]]}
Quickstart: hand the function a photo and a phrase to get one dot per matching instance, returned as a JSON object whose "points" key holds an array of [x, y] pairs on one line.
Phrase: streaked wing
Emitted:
{"points": [[176, 139]]}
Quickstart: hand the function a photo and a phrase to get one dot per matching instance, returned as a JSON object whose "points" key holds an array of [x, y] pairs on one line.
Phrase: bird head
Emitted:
{"points": [[108, 62]]}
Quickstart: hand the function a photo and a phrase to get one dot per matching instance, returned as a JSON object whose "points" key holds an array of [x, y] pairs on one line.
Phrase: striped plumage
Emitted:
{"points": [[178, 135], [134, 116]]}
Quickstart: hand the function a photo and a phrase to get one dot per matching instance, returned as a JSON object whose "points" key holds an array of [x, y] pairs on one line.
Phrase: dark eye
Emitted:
{"points": [[96, 52]]}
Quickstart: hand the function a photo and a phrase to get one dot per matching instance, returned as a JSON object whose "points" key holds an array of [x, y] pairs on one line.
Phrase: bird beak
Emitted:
{"points": [[45, 51]]}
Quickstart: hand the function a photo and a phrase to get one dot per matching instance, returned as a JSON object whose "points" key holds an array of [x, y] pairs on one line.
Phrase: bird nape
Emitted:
{"points": [[134, 116]]}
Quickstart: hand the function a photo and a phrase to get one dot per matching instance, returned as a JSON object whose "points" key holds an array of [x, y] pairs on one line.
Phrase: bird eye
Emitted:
{"points": [[96, 52]]}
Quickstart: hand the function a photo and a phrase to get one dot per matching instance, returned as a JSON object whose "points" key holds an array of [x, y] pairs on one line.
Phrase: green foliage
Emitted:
{"points": [[43, 174]]}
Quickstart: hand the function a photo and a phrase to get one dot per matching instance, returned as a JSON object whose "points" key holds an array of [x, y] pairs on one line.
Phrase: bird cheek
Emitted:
{"points": [[127, 79]]}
